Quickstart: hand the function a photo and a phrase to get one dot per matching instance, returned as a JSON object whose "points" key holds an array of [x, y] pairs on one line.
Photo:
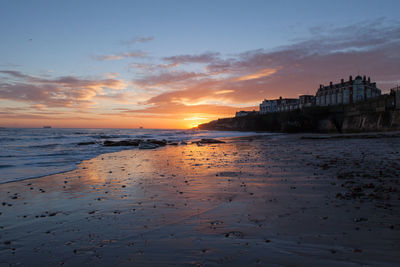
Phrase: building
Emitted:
{"points": [[268, 106], [351, 91], [396, 92], [306, 101], [278, 105], [245, 113], [288, 104]]}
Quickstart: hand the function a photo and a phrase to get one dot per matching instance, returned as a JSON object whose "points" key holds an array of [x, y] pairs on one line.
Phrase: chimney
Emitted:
{"points": [[330, 84], [341, 81], [369, 80], [364, 78], [351, 78]]}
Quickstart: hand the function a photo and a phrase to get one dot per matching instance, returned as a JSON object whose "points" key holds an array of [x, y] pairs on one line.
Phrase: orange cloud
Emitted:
{"points": [[64, 91], [260, 74], [119, 56], [223, 92]]}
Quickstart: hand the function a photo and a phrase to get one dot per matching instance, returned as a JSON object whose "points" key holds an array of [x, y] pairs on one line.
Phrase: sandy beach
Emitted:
{"points": [[279, 200]]}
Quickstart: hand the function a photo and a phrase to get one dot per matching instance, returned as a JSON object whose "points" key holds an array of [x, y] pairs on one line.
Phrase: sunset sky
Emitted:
{"points": [[175, 64]]}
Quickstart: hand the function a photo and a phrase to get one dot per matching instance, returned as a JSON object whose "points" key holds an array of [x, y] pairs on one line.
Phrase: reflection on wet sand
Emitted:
{"points": [[244, 202]]}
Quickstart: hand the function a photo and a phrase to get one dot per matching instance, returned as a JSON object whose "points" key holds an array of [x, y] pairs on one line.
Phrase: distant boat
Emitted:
{"points": [[141, 127], [47, 127]]}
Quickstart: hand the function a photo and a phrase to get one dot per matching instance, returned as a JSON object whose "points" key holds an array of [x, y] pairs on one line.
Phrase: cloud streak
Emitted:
{"points": [[138, 40], [119, 56], [185, 59]]}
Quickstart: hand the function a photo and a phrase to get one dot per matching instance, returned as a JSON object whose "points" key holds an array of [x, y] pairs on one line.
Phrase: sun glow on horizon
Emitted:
{"points": [[194, 122]]}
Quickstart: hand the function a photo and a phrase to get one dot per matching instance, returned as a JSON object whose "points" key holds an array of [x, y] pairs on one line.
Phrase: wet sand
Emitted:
{"points": [[278, 200]]}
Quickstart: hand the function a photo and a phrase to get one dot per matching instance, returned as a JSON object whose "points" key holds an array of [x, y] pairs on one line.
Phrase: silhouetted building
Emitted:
{"points": [[306, 101], [268, 106], [245, 113], [281, 104], [288, 104], [396, 92], [348, 92]]}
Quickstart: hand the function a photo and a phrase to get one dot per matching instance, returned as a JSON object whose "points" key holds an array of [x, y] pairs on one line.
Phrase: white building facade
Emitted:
{"points": [[245, 113], [268, 106], [351, 91], [288, 104], [278, 105]]}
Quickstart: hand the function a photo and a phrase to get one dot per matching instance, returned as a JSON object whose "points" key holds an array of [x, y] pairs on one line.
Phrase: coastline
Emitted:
{"points": [[376, 115], [61, 150], [275, 199]]}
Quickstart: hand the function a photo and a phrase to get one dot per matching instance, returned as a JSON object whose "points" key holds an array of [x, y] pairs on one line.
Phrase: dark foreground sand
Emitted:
{"points": [[272, 201]]}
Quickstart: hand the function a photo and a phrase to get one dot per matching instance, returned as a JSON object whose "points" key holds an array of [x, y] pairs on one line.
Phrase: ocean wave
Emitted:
{"points": [[108, 136], [39, 153], [45, 146], [6, 166], [9, 139]]}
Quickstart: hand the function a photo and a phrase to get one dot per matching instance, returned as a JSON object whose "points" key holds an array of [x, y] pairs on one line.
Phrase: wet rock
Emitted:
{"points": [[86, 143], [157, 142], [173, 143], [147, 145], [361, 219], [234, 234], [128, 142], [215, 223], [210, 141]]}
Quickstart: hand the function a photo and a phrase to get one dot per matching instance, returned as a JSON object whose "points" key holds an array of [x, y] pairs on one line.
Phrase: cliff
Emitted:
{"points": [[375, 115]]}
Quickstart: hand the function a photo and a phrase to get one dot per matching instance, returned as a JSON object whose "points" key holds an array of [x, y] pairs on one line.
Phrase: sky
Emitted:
{"points": [[176, 64]]}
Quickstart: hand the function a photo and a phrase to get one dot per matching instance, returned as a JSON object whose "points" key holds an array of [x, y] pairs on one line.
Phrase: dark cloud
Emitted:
{"points": [[151, 67], [184, 59]]}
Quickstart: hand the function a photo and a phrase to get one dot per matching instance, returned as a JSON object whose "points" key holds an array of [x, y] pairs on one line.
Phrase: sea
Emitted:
{"points": [[27, 153]]}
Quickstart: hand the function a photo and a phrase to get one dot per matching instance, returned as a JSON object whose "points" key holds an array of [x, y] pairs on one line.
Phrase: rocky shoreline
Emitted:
{"points": [[151, 143], [269, 200], [358, 118]]}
